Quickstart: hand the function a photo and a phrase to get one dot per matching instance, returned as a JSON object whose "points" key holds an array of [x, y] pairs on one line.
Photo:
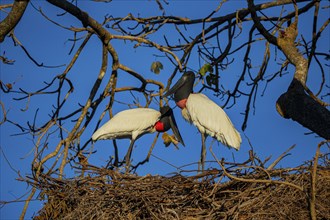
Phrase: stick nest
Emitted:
{"points": [[236, 191]]}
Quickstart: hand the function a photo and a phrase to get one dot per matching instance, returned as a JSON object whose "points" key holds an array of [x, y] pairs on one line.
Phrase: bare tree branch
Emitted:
{"points": [[13, 18]]}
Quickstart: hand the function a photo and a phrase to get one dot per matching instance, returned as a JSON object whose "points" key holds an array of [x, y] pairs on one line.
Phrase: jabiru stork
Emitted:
{"points": [[134, 123], [209, 118]]}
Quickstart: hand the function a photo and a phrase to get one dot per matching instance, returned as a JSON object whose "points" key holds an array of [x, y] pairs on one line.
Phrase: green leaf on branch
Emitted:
{"points": [[205, 68], [156, 67]]}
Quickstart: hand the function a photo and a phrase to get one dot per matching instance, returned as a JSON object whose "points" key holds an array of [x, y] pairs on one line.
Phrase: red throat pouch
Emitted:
{"points": [[159, 126], [182, 103]]}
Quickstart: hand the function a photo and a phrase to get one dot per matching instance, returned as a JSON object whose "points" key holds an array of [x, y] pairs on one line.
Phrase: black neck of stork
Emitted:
{"points": [[168, 121], [166, 114]]}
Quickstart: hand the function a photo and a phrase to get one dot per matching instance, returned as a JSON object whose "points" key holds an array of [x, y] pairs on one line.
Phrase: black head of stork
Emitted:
{"points": [[167, 121], [183, 88]]}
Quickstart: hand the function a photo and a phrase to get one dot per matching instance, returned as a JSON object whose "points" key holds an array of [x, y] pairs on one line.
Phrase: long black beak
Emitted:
{"points": [[167, 112], [175, 129], [176, 86]]}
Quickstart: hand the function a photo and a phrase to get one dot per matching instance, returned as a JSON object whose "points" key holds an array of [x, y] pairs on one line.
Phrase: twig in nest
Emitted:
{"points": [[281, 157], [313, 182], [253, 180]]}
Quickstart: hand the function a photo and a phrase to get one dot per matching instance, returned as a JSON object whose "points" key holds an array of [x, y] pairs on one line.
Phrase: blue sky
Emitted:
{"points": [[268, 132]]}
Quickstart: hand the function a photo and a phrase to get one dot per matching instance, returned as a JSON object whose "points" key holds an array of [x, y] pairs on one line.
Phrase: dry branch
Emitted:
{"points": [[14, 16]]}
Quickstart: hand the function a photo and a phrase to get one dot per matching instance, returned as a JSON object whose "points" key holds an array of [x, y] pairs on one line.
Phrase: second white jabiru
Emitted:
{"points": [[209, 118]]}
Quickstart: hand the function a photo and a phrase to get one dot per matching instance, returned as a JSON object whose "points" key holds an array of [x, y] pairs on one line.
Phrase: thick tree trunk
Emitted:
{"points": [[295, 104]]}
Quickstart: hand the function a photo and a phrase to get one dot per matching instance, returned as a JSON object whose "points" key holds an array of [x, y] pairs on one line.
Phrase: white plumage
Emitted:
{"points": [[134, 123], [131, 123], [210, 119], [207, 116]]}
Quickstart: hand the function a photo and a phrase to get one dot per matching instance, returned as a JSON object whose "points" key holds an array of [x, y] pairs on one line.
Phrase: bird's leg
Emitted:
{"points": [[203, 154], [128, 155], [149, 153], [116, 153]]}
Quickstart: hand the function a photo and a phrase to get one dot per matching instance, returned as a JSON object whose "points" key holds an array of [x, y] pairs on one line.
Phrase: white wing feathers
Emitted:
{"points": [[129, 123], [210, 119]]}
